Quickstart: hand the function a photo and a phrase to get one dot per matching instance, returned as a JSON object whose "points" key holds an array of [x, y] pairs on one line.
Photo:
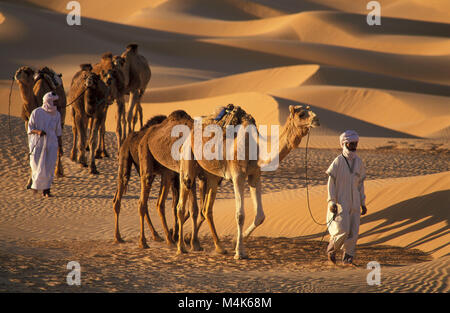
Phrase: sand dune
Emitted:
{"points": [[388, 82]]}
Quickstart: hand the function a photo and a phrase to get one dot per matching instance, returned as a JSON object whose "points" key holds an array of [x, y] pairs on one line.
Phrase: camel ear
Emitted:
{"points": [[308, 107], [292, 109]]}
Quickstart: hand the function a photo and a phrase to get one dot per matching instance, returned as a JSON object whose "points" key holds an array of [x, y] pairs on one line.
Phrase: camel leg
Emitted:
{"points": [[195, 243], [166, 181], [254, 182], [212, 184], [101, 148], [202, 191], [123, 176], [131, 121], [184, 192], [139, 111], [73, 153], [103, 131], [147, 177], [238, 184], [120, 116], [146, 183], [89, 129], [59, 170], [81, 122], [175, 188], [93, 141]]}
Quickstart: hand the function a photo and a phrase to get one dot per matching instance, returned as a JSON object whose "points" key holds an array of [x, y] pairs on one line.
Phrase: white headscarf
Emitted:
{"points": [[346, 137], [47, 102]]}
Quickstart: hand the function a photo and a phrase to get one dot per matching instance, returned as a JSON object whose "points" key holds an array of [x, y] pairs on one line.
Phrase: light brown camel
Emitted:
{"points": [[33, 86], [137, 75], [112, 75], [301, 119], [129, 156], [88, 95], [155, 155]]}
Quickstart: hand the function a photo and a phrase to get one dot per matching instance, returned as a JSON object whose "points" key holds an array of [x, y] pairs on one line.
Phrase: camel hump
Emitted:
{"points": [[157, 119], [160, 140], [107, 56], [86, 67], [132, 47]]}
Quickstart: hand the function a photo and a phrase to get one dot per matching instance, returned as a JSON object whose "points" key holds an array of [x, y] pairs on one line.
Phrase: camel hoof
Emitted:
{"points": [[240, 256], [119, 240], [105, 154], [94, 171], [157, 238], [143, 245], [220, 250], [181, 250], [195, 246]]}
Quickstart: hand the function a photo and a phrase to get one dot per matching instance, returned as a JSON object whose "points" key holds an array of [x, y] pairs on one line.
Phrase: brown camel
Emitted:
{"points": [[298, 124], [33, 86], [112, 75], [137, 75], [155, 155], [129, 156], [88, 96]]}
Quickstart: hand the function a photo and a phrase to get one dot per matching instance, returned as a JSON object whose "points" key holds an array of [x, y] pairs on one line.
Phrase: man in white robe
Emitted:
{"points": [[44, 140], [346, 199]]}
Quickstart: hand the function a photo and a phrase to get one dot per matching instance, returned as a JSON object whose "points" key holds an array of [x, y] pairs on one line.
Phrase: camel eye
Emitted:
{"points": [[303, 114]]}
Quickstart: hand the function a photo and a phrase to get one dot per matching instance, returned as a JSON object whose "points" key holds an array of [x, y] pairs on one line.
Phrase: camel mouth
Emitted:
{"points": [[315, 122]]}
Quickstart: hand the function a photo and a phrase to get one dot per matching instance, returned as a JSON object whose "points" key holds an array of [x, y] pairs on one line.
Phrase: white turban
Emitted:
{"points": [[47, 102], [348, 136]]}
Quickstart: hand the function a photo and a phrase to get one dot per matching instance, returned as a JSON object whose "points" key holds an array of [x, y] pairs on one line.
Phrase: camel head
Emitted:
{"points": [[25, 75], [95, 92], [301, 119], [129, 56], [109, 79], [118, 61]]}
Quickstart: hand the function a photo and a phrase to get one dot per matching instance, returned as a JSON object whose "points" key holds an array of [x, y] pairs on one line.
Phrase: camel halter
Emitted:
{"points": [[307, 191]]}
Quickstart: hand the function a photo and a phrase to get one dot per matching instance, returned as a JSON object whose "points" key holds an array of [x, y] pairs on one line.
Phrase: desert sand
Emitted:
{"points": [[390, 83]]}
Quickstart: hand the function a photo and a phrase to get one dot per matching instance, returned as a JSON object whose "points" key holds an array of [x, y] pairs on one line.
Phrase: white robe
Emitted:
{"points": [[346, 189], [43, 149]]}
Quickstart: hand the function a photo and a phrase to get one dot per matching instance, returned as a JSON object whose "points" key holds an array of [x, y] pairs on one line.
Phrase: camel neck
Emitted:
{"points": [[26, 91], [290, 138]]}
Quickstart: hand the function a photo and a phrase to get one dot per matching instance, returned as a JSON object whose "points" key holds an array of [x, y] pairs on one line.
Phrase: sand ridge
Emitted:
{"points": [[390, 83]]}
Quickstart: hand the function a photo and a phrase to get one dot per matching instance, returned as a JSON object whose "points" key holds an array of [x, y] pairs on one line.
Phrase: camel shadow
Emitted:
{"points": [[422, 212]]}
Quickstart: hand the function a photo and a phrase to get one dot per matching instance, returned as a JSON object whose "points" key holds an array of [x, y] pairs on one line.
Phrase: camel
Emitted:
{"points": [[33, 86], [88, 95], [155, 156], [300, 120], [137, 75], [112, 75], [129, 156]]}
